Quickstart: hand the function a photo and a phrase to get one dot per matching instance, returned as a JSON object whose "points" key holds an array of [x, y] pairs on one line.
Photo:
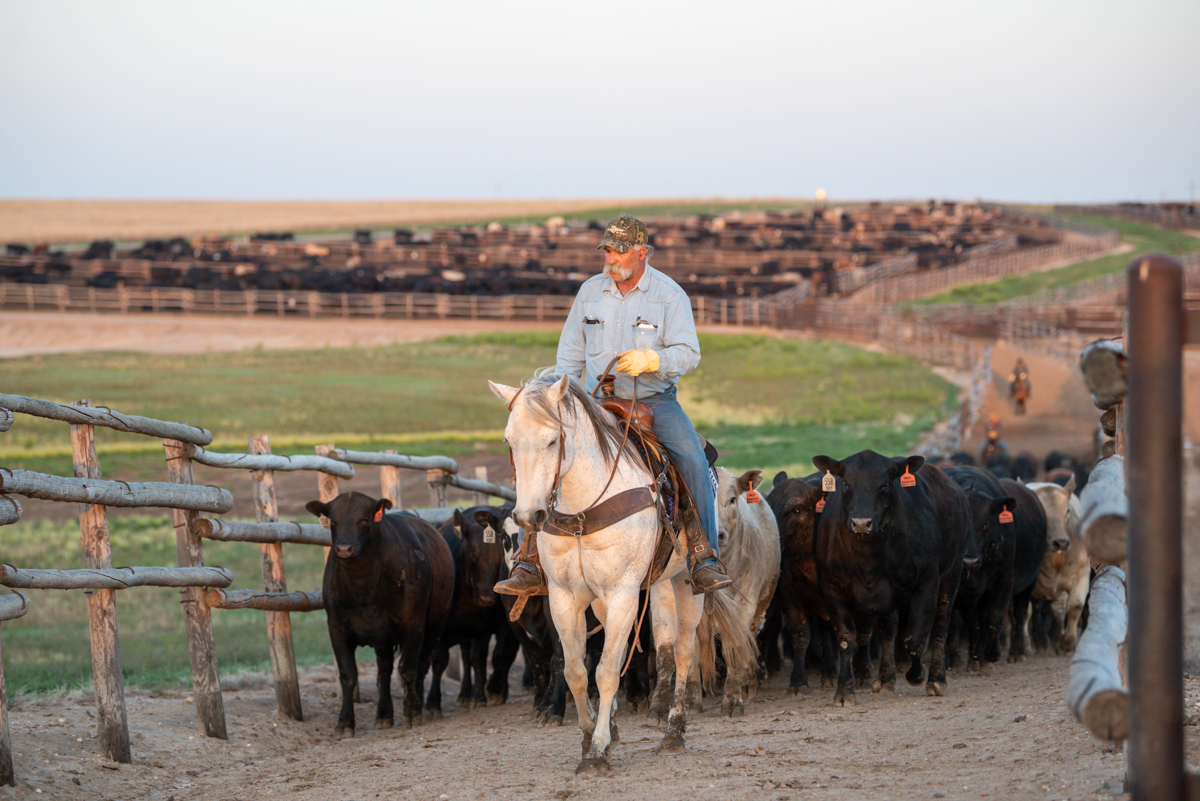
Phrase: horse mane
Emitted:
{"points": [[608, 432]]}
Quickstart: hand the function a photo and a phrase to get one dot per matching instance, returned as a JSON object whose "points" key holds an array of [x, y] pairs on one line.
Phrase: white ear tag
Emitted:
{"points": [[489, 534], [828, 482]]}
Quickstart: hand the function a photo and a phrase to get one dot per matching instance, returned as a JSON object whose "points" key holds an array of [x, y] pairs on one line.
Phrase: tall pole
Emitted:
{"points": [[1154, 478]]}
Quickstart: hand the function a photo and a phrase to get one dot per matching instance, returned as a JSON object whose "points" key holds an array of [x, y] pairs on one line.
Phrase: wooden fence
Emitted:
{"points": [[204, 588]]}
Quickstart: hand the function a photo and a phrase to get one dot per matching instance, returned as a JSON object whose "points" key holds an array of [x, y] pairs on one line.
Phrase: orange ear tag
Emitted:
{"points": [[753, 497], [821, 506], [908, 479], [1006, 516], [379, 514]]}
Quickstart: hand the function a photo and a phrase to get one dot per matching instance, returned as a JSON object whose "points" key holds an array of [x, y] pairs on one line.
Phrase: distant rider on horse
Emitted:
{"points": [[635, 311], [1019, 385]]}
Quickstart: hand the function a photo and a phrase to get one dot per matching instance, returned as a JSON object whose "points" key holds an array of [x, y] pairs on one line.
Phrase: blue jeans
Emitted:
{"points": [[674, 430]]}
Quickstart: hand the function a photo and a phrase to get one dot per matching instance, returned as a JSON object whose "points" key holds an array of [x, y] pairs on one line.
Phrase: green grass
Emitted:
{"points": [[1143, 238], [765, 403]]}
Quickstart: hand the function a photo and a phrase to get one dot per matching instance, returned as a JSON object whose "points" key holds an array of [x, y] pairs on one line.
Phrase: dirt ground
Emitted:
{"points": [[1008, 735]]}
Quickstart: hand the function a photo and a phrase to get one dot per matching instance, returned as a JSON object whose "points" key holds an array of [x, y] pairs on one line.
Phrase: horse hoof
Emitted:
{"points": [[670, 745], [614, 736], [383, 723], [936, 688], [593, 767]]}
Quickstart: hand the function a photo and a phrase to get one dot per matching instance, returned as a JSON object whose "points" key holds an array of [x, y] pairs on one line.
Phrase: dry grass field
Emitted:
{"points": [[65, 221]]}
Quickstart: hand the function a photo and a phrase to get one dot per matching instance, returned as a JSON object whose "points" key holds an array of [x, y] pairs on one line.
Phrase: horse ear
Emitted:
{"points": [[504, 393], [558, 389]]}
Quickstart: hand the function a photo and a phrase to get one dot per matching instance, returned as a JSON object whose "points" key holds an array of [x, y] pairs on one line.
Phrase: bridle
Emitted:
{"points": [[552, 501]]}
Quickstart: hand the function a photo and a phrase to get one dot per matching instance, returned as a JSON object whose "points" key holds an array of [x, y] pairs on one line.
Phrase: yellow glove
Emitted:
{"points": [[636, 362]]}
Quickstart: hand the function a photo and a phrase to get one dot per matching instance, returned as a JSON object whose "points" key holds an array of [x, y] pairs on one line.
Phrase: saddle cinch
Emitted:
{"points": [[673, 499]]}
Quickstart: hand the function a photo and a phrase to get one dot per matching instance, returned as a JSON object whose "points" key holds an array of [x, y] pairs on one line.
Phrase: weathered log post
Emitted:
{"points": [[481, 474], [12, 606], [1155, 479], [1096, 694], [1104, 512], [327, 486], [197, 617], [279, 624], [113, 725], [438, 479], [389, 481]]}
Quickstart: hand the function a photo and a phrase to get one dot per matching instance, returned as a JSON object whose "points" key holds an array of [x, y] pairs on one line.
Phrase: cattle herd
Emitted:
{"points": [[869, 566], [749, 254]]}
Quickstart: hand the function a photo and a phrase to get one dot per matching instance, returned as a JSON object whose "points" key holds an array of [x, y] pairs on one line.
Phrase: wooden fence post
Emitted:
{"points": [[7, 776], [389, 481], [437, 487], [327, 487], [480, 498], [197, 617], [279, 624], [113, 726]]}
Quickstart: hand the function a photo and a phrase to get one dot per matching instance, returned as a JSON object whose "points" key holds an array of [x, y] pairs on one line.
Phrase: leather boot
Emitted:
{"points": [[526, 578], [706, 578]]}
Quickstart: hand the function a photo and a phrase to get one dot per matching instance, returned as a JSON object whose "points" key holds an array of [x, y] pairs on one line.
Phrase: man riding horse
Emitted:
{"points": [[635, 312]]}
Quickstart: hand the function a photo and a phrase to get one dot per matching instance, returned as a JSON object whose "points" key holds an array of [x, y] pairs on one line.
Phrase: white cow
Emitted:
{"points": [[749, 543], [1066, 573]]}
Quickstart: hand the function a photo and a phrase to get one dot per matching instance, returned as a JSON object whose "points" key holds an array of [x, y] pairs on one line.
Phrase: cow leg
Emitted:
{"points": [[847, 642], [862, 654], [1039, 610], [410, 659], [886, 624], [795, 623], [941, 622], [465, 684], [478, 648], [433, 701], [503, 655], [1075, 601], [1020, 613], [977, 622], [768, 639], [384, 656], [343, 654], [689, 609]]}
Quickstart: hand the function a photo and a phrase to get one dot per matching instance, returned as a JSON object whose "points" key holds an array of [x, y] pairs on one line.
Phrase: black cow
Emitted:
{"points": [[797, 594], [388, 583], [986, 588], [1029, 517], [884, 547], [476, 614]]}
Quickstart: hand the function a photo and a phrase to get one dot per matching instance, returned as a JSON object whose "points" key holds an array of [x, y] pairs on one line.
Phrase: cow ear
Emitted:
{"points": [[1070, 485], [749, 480], [558, 389], [380, 505], [485, 519], [914, 463], [780, 477], [503, 392], [317, 508], [460, 524], [828, 465], [1001, 504]]}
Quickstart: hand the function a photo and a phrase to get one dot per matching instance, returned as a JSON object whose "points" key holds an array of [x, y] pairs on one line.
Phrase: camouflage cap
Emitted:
{"points": [[624, 233]]}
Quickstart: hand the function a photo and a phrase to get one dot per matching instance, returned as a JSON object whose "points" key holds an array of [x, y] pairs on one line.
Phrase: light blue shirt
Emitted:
{"points": [[602, 322]]}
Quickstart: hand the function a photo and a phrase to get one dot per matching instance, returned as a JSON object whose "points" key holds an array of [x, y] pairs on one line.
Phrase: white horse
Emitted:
{"points": [[560, 438]]}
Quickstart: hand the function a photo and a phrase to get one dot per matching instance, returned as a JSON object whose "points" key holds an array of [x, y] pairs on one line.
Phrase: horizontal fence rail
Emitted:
{"points": [[115, 493], [265, 601], [13, 605], [115, 578], [240, 531], [10, 510], [254, 461], [86, 415]]}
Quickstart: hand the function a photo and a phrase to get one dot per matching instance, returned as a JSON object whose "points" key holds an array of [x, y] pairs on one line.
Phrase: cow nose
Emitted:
{"points": [[1059, 545], [861, 525], [345, 551], [971, 561]]}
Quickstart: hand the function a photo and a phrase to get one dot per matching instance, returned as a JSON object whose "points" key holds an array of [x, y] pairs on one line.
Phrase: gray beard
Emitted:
{"points": [[617, 273]]}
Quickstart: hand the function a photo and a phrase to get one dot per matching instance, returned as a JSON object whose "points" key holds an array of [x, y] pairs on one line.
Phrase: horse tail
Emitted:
{"points": [[738, 644]]}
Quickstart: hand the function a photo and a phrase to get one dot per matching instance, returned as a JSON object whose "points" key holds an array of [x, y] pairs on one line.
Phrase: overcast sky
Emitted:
{"points": [[1034, 100]]}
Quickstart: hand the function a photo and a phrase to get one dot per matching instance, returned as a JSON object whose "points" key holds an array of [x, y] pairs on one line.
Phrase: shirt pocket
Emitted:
{"points": [[652, 312], [593, 336]]}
